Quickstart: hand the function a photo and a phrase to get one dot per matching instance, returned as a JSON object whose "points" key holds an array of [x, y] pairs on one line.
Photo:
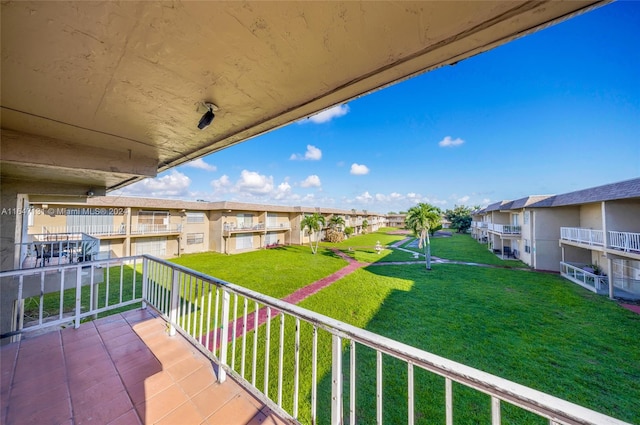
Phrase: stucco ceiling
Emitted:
{"points": [[107, 93]]}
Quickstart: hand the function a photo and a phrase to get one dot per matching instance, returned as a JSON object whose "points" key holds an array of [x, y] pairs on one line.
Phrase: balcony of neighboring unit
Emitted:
{"points": [[479, 224], [278, 226], [625, 243], [231, 228], [622, 243], [155, 229], [580, 236], [586, 276], [53, 249], [91, 229], [504, 229]]}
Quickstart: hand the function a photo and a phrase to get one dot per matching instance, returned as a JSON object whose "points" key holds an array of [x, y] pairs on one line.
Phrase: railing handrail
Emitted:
{"points": [[503, 389]]}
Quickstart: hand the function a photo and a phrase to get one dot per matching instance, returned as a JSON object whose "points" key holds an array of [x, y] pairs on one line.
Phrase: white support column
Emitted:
{"points": [[610, 268]]}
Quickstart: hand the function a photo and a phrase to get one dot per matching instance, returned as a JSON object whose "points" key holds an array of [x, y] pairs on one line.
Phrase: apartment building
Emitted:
{"points": [[396, 220], [164, 228], [590, 236]]}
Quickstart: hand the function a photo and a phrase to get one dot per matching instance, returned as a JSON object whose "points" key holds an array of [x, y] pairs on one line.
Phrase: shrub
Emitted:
{"points": [[334, 235]]}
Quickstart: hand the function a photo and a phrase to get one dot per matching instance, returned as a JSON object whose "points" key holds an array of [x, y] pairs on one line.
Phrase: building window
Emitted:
{"points": [[244, 221], [195, 238], [153, 217], [195, 217], [526, 217], [527, 248], [152, 246], [105, 249], [272, 220], [244, 242], [271, 239]]}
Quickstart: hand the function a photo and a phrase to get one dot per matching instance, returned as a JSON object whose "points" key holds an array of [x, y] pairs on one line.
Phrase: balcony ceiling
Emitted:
{"points": [[102, 94]]}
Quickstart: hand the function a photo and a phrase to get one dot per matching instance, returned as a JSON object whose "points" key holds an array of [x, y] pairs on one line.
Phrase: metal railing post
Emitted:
{"points": [[145, 278], [174, 300], [336, 380], [78, 295], [222, 374]]}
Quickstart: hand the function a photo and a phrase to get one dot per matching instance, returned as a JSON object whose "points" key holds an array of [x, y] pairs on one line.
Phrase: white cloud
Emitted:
{"points": [[200, 164], [222, 184], [312, 154], [364, 198], [359, 169], [311, 181], [329, 114], [448, 142], [172, 185], [464, 199], [254, 183], [282, 191]]}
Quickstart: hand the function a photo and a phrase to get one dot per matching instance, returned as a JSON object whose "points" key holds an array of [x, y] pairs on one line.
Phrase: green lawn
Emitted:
{"points": [[535, 329], [461, 247], [362, 247], [366, 240], [276, 272]]}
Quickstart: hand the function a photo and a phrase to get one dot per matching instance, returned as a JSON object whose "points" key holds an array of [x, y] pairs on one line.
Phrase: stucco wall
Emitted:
{"points": [[546, 235], [591, 216], [623, 216]]}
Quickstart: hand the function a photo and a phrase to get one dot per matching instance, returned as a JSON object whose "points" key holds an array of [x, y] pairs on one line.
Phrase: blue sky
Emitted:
{"points": [[552, 112]]}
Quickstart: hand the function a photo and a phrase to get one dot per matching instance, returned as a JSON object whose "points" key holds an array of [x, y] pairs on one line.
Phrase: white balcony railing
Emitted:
{"points": [[278, 226], [625, 241], [151, 229], [584, 275], [48, 249], [243, 227], [219, 317], [92, 229], [584, 236], [479, 224], [505, 229]]}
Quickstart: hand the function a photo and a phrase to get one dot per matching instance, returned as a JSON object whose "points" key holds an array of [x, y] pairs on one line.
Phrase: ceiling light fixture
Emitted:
{"points": [[208, 117]]}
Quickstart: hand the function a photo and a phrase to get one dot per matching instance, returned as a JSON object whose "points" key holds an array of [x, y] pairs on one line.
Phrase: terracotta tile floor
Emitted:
{"points": [[123, 369]]}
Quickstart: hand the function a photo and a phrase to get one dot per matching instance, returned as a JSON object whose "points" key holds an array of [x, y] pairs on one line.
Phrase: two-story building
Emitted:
{"points": [[166, 228], [590, 236]]}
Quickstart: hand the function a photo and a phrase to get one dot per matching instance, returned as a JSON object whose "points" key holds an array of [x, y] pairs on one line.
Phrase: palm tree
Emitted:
{"points": [[313, 224], [420, 219], [336, 221]]}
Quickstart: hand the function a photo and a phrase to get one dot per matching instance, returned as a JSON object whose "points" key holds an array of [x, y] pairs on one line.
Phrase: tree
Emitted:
{"points": [[313, 224], [365, 225], [460, 218], [348, 231], [420, 219], [336, 221]]}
